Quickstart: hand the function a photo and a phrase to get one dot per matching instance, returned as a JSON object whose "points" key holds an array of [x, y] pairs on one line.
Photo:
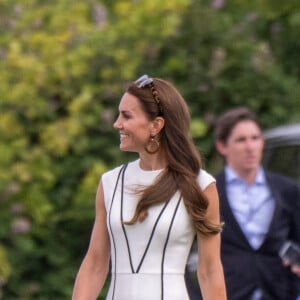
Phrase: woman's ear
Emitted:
{"points": [[157, 125]]}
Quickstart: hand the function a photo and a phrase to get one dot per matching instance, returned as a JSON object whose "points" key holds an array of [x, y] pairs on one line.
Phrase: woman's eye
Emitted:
{"points": [[126, 116]]}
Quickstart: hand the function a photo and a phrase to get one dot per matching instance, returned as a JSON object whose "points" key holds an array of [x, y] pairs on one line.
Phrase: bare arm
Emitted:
{"points": [[210, 270], [94, 267]]}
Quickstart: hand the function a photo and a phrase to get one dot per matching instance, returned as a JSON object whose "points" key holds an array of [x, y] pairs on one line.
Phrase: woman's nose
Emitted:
{"points": [[117, 124]]}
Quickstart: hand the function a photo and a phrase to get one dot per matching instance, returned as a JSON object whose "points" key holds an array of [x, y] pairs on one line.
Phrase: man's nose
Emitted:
{"points": [[251, 144]]}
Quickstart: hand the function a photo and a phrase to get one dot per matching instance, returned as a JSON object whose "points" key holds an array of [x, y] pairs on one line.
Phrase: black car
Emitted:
{"points": [[282, 150]]}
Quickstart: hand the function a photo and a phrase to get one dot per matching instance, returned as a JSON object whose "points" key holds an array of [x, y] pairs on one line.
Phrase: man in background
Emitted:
{"points": [[261, 211]]}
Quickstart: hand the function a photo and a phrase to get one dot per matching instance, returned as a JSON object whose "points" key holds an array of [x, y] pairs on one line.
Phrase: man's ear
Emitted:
{"points": [[221, 147], [157, 125]]}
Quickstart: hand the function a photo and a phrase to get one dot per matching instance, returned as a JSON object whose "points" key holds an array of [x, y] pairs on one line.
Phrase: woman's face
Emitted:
{"points": [[133, 125]]}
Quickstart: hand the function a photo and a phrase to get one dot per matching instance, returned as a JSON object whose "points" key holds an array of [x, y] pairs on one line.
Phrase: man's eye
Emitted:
{"points": [[240, 140], [256, 137]]}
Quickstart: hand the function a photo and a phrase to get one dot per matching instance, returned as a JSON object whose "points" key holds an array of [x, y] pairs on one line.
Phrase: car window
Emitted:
{"points": [[284, 160]]}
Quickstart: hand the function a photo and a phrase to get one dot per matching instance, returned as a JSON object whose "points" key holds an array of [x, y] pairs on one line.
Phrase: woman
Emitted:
{"points": [[149, 210]]}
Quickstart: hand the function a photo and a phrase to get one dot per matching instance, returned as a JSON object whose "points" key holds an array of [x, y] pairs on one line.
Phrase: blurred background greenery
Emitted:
{"points": [[63, 68]]}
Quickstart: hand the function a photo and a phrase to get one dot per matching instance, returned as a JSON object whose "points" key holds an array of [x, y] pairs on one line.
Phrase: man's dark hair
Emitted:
{"points": [[227, 121]]}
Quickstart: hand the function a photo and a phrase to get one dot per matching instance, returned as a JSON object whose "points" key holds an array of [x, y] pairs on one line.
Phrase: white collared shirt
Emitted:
{"points": [[252, 205]]}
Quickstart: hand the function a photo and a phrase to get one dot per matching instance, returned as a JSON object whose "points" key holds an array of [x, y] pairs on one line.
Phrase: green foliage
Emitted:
{"points": [[63, 68], [63, 65], [232, 53]]}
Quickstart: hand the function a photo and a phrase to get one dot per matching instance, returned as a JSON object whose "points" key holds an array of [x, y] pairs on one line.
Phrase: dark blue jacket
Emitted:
{"points": [[246, 268]]}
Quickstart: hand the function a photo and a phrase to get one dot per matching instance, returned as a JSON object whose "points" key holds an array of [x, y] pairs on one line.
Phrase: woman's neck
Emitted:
{"points": [[152, 163]]}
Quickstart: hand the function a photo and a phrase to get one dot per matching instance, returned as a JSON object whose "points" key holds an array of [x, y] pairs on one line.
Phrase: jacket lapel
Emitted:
{"points": [[277, 206], [226, 212]]}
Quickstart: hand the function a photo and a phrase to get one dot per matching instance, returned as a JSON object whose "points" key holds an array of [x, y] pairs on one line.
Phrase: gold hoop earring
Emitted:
{"points": [[152, 146]]}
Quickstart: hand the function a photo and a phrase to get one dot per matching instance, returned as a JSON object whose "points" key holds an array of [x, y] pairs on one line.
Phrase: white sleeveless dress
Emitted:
{"points": [[148, 258]]}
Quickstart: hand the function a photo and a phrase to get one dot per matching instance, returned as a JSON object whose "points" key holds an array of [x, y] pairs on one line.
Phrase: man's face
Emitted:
{"points": [[244, 147]]}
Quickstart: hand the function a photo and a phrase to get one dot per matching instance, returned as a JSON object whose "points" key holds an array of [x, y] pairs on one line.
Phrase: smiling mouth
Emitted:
{"points": [[123, 137]]}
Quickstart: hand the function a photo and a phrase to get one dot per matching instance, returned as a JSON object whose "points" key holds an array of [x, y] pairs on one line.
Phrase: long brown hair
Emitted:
{"points": [[183, 159]]}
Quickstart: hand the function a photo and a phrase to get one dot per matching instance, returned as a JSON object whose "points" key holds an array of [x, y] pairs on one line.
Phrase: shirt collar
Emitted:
{"points": [[232, 176]]}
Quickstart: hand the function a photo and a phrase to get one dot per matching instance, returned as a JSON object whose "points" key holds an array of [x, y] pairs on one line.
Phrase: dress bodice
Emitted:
{"points": [[148, 258]]}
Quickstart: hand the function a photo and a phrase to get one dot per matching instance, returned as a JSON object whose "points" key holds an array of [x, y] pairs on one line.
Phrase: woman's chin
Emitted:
{"points": [[125, 149]]}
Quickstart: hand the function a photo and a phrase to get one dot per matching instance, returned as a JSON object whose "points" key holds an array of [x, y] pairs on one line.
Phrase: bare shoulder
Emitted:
{"points": [[211, 193]]}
